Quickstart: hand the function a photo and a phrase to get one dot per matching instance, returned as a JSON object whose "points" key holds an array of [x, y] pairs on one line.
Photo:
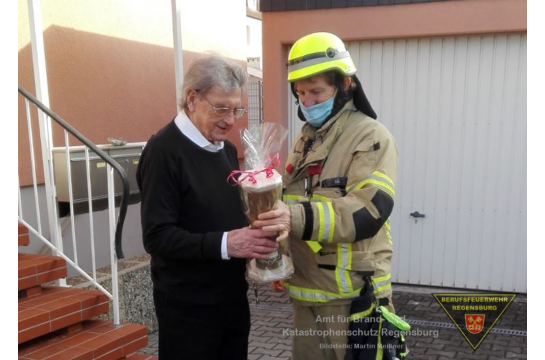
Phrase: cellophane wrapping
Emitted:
{"points": [[261, 188]]}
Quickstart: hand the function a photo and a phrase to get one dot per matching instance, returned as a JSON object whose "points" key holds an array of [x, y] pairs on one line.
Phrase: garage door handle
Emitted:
{"points": [[416, 214]]}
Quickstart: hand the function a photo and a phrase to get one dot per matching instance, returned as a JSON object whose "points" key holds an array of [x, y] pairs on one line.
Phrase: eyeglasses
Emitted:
{"points": [[223, 111]]}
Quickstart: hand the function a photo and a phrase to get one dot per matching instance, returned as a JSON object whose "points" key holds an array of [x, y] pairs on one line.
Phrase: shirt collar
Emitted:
{"points": [[189, 129]]}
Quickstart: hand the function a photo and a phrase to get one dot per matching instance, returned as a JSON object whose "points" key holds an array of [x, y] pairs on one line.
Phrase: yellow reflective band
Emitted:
{"points": [[327, 223], [320, 208], [362, 314], [381, 283], [316, 197], [388, 232], [379, 342], [385, 177], [349, 266], [382, 288], [344, 263], [384, 186], [317, 296], [314, 246], [294, 199], [291, 199], [387, 224], [379, 279], [331, 223], [338, 270]]}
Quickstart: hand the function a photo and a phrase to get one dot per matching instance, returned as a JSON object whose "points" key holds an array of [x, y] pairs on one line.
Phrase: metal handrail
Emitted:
{"points": [[125, 181]]}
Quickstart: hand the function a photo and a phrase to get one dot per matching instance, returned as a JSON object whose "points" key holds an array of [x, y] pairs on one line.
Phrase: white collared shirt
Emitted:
{"points": [[189, 129]]}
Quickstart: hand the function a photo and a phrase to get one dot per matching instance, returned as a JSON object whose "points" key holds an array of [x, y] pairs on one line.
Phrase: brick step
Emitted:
{"points": [[23, 235], [141, 357], [57, 308], [35, 270], [97, 339]]}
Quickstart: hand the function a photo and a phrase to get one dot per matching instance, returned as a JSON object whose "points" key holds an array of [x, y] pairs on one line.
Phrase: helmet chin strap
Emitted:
{"points": [[299, 112], [360, 100]]}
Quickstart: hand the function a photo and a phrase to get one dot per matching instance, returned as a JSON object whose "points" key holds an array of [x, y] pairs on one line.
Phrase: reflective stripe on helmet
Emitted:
{"points": [[297, 65], [318, 53]]}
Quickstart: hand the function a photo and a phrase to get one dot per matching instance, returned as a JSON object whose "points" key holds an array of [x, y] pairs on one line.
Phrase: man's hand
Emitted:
{"points": [[250, 243], [277, 220]]}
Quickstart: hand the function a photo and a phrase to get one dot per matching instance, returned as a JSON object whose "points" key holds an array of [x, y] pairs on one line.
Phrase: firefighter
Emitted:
{"points": [[339, 188]]}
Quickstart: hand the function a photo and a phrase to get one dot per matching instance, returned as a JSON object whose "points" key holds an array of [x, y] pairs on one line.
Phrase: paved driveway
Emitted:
{"points": [[440, 340]]}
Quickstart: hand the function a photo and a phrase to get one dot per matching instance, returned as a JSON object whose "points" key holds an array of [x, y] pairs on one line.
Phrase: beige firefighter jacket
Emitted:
{"points": [[340, 196]]}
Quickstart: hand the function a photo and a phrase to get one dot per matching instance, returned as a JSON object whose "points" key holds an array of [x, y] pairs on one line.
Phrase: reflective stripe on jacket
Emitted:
{"points": [[341, 195]]}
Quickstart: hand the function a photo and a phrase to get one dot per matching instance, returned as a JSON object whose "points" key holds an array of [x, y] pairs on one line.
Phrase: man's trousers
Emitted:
{"points": [[204, 332]]}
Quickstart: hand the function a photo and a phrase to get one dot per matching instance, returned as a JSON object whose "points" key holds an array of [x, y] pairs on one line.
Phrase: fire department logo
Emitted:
{"points": [[474, 314], [474, 323]]}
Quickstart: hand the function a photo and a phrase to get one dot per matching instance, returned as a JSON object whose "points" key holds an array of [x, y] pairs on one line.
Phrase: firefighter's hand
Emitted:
{"points": [[277, 220], [250, 243], [278, 286]]}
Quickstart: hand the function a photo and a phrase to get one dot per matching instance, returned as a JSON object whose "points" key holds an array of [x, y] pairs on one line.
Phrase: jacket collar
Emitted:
{"points": [[310, 132], [324, 137]]}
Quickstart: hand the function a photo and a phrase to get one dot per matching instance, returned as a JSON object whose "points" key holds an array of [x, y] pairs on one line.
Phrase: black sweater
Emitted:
{"points": [[186, 207]]}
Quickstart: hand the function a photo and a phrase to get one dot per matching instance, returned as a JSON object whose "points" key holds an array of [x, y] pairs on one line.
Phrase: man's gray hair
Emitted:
{"points": [[212, 71]]}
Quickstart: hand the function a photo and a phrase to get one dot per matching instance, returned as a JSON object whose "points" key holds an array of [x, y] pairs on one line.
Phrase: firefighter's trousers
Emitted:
{"points": [[315, 328]]}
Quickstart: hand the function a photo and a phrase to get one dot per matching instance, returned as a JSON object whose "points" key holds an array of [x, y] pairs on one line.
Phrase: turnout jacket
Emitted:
{"points": [[340, 194]]}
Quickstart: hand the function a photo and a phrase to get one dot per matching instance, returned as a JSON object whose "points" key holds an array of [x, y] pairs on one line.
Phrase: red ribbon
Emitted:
{"points": [[273, 162]]}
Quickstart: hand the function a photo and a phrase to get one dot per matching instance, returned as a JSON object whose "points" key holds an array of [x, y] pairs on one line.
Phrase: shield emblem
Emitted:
{"points": [[474, 323]]}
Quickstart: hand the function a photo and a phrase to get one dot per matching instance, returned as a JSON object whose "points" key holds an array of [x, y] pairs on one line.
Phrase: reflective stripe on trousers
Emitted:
{"points": [[380, 283]]}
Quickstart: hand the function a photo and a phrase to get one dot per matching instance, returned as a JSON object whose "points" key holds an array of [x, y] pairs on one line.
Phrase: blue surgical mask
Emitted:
{"points": [[316, 114]]}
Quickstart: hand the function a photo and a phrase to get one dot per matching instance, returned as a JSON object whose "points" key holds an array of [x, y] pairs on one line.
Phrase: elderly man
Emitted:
{"points": [[193, 222]]}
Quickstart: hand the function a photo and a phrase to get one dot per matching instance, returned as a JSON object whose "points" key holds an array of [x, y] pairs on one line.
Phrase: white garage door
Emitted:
{"points": [[457, 107]]}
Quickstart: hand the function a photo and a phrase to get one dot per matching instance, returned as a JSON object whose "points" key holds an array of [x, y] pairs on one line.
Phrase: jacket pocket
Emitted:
{"points": [[358, 261], [327, 194], [365, 154], [363, 261], [326, 260]]}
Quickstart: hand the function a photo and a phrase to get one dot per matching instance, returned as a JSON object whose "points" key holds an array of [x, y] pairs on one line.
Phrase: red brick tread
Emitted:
{"points": [[22, 229], [39, 269], [24, 240], [141, 357], [23, 235], [98, 339], [56, 308]]}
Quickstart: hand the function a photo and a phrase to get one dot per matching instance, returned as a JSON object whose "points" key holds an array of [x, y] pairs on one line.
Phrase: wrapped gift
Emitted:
{"points": [[261, 188]]}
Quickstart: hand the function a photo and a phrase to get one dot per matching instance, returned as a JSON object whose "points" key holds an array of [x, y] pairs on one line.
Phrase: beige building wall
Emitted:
{"points": [[447, 18], [110, 63]]}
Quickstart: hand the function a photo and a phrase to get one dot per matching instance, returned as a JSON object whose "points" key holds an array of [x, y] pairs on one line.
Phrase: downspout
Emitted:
{"points": [[178, 50], [46, 135]]}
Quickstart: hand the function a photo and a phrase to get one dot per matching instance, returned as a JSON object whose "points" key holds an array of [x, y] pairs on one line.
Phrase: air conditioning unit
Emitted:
{"points": [[127, 156]]}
